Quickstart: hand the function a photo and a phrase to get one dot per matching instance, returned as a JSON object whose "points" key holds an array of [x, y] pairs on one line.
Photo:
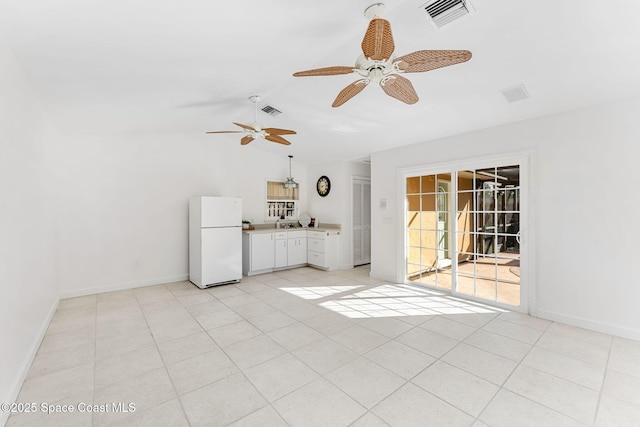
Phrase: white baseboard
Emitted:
{"points": [[579, 322], [24, 369], [384, 277], [122, 286]]}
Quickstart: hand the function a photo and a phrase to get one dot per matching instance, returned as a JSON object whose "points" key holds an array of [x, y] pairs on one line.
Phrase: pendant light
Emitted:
{"points": [[289, 182]]}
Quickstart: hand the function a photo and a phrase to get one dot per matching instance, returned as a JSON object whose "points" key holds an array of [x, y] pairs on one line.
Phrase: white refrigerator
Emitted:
{"points": [[215, 240]]}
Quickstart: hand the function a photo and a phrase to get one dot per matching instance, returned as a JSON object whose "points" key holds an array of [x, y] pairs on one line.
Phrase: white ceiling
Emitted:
{"points": [[121, 66]]}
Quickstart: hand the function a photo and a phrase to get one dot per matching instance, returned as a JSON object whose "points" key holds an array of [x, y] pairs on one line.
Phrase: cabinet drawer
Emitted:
{"points": [[317, 245], [316, 234], [316, 258], [296, 234], [281, 235]]}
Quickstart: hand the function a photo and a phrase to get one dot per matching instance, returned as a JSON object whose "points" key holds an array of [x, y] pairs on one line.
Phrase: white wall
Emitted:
{"points": [[584, 209], [337, 206], [124, 202], [28, 226]]}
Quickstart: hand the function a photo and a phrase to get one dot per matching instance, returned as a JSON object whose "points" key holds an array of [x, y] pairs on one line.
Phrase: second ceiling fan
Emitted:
{"points": [[377, 64], [255, 130]]}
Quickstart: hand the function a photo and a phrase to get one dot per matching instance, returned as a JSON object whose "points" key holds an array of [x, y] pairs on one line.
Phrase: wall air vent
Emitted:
{"points": [[271, 110], [443, 12]]}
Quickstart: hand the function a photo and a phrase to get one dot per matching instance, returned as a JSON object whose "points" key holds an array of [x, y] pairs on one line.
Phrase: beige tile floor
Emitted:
{"points": [[310, 348]]}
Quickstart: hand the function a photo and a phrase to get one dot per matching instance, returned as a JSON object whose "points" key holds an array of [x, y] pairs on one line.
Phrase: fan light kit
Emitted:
{"points": [[377, 63], [255, 130]]}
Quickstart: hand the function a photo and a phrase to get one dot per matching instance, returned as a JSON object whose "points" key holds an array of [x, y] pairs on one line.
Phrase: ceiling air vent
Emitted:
{"points": [[443, 12], [516, 93], [271, 110]]}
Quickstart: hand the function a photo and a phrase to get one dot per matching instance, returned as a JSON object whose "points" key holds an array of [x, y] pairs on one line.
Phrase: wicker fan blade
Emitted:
{"points": [[327, 71], [427, 60], [378, 40], [400, 88], [247, 127], [227, 131], [278, 139], [246, 139], [349, 92], [276, 131]]}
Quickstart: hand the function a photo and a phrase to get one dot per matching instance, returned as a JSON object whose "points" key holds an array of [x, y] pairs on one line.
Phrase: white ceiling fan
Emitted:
{"points": [[378, 64], [255, 130]]}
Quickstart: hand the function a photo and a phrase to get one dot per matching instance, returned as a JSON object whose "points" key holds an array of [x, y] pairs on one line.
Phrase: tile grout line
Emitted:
{"points": [[240, 370], [95, 359], [320, 375], [439, 359], [518, 364], [290, 352], [604, 379], [407, 381], [546, 373], [164, 363]]}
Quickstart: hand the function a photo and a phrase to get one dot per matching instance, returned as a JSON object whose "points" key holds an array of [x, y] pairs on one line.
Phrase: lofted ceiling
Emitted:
{"points": [[143, 66]]}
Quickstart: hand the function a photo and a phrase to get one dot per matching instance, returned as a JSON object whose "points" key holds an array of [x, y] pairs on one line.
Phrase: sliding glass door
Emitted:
{"points": [[471, 216]]}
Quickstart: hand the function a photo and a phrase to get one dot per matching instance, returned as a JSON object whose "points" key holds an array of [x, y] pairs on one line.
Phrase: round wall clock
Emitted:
{"points": [[323, 186]]}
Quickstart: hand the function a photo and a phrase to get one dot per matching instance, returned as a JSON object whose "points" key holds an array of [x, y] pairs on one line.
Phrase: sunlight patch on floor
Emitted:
{"points": [[390, 301], [317, 292]]}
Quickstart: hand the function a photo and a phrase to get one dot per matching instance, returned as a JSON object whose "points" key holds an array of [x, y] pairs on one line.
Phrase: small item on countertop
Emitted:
{"points": [[304, 220]]}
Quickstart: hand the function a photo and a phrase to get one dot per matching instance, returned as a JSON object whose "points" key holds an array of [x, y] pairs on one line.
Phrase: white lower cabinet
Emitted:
{"points": [[323, 249], [258, 253], [296, 248], [263, 252], [281, 249], [317, 259]]}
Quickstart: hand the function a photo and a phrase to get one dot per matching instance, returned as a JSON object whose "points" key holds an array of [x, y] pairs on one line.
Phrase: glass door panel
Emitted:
{"points": [[492, 260], [428, 247]]}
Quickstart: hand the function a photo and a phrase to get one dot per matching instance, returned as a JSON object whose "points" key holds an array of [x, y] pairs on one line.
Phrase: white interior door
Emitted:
{"points": [[361, 221]]}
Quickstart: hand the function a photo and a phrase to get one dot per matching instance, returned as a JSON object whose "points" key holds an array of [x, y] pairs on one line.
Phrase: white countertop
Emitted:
{"points": [[271, 230]]}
